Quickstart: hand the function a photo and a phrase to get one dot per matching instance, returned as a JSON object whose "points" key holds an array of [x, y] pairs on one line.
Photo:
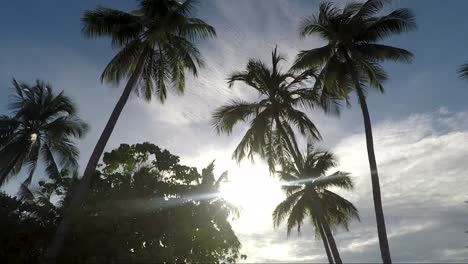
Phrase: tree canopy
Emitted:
{"points": [[144, 206]]}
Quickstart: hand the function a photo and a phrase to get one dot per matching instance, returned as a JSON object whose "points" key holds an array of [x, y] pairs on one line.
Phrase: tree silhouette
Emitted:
{"points": [[144, 207], [307, 195], [350, 61], [42, 126], [155, 50], [283, 96]]}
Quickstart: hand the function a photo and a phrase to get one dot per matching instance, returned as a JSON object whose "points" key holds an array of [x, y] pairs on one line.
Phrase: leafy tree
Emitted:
{"points": [[308, 195], [283, 96], [42, 126], [143, 207], [350, 61], [155, 50]]}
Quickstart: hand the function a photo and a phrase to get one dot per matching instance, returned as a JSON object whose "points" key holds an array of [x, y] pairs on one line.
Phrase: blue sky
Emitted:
{"points": [[420, 122]]}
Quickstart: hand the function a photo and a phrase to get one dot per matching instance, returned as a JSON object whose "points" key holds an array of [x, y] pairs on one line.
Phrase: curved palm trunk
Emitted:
{"points": [[81, 190], [326, 228], [379, 214], [325, 243]]}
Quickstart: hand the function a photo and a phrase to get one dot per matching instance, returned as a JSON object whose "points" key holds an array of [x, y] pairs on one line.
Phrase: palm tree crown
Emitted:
{"points": [[312, 178], [43, 126], [352, 35], [160, 32], [307, 195], [282, 98]]}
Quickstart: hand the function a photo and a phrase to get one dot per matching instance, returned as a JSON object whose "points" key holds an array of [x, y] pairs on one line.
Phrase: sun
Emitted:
{"points": [[251, 191], [255, 192], [251, 187]]}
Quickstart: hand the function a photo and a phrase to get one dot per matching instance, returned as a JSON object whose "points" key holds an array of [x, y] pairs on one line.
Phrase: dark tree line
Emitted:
{"points": [[143, 206]]}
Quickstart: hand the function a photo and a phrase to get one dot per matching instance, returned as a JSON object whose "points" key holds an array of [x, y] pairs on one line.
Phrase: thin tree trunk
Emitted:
{"points": [[325, 242], [80, 192], [326, 227], [379, 214], [288, 142]]}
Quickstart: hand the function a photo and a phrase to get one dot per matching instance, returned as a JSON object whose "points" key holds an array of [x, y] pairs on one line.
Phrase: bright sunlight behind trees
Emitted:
{"points": [[267, 141]]}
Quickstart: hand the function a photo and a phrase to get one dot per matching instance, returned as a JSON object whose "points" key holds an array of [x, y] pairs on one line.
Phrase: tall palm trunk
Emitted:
{"points": [[379, 214], [80, 192], [325, 242], [326, 227]]}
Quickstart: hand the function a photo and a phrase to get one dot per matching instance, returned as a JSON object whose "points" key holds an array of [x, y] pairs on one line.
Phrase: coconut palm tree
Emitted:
{"points": [[42, 126], [155, 49], [283, 96], [307, 195], [350, 61]]}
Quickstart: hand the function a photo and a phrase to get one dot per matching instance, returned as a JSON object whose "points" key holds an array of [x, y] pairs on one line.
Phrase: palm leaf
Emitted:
{"points": [[379, 28], [463, 71], [227, 116], [122, 27], [378, 52], [284, 208]]}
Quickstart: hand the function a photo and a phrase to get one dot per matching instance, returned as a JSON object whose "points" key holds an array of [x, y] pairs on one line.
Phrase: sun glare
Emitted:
{"points": [[255, 193], [251, 191]]}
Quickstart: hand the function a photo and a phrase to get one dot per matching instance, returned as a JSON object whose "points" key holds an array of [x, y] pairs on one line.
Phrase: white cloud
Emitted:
{"points": [[422, 159], [423, 179]]}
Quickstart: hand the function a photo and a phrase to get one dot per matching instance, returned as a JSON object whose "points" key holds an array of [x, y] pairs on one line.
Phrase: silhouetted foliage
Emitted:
{"points": [[42, 126], [351, 59], [156, 47], [144, 207], [283, 97], [308, 195], [463, 71], [158, 31]]}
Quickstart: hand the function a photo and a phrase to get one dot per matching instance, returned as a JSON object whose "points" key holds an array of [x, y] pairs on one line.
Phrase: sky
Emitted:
{"points": [[420, 123]]}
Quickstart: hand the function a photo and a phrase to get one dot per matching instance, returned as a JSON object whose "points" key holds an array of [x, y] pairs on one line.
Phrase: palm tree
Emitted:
{"points": [[463, 71], [156, 48], [43, 126], [273, 116], [307, 195], [350, 60]]}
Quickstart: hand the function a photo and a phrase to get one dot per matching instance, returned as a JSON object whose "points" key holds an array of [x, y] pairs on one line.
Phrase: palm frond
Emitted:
{"points": [[227, 116], [69, 126], [284, 208], [463, 71], [297, 214], [255, 137], [302, 122], [375, 75], [51, 166], [379, 28], [338, 179], [8, 126], [379, 52], [122, 27], [370, 8], [338, 210], [312, 58], [31, 160], [197, 28], [123, 63]]}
